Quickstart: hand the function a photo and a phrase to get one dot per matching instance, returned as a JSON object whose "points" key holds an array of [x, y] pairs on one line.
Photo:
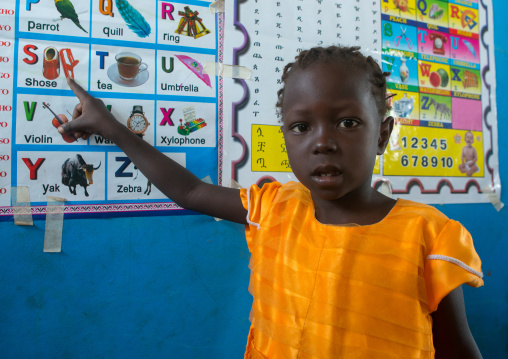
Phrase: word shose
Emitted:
{"points": [[40, 83], [178, 88]]}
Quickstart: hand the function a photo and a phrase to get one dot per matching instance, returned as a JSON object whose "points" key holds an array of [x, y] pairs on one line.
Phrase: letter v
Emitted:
{"points": [[29, 110]]}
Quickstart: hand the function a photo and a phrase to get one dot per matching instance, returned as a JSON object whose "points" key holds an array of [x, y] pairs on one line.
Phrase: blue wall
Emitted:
{"points": [[177, 286]]}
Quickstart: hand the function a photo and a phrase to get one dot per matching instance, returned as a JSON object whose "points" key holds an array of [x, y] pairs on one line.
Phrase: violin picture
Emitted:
{"points": [[58, 121]]}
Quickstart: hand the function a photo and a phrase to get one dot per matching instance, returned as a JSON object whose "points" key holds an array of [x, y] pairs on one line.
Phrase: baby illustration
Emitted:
{"points": [[469, 156]]}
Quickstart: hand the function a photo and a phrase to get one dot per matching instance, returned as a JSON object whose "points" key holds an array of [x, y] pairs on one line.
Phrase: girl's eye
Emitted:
{"points": [[348, 123], [300, 128]]}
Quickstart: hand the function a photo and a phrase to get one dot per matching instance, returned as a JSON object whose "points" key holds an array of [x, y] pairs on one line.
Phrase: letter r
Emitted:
{"points": [[167, 9], [455, 12]]}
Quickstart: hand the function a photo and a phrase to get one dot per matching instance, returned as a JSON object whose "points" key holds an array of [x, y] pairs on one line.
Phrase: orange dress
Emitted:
{"points": [[330, 291]]}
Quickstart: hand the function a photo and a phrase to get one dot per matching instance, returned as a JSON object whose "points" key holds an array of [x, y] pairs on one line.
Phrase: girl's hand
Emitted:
{"points": [[452, 337], [90, 116]]}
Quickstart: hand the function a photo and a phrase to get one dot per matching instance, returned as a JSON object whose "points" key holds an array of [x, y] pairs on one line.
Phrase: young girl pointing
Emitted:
{"points": [[338, 270]]}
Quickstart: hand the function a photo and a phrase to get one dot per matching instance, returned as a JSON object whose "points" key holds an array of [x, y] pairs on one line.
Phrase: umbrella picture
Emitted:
{"points": [[196, 68], [470, 47]]}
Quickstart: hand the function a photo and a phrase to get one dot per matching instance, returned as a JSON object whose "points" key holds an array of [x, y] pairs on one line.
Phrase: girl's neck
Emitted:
{"points": [[365, 208]]}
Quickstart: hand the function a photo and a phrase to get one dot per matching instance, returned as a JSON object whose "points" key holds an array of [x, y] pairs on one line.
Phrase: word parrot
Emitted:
{"points": [[66, 10]]}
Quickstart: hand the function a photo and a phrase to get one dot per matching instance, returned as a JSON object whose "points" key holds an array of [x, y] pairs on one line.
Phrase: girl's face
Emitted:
{"points": [[332, 130]]}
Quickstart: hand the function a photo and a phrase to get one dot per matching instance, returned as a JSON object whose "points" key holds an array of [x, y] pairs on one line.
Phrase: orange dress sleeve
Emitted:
{"points": [[257, 201], [451, 262]]}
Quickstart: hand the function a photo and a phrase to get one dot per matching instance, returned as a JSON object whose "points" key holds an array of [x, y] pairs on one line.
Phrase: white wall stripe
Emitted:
{"points": [[455, 261]]}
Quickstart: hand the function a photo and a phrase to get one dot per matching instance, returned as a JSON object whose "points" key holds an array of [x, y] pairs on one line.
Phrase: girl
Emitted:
{"points": [[337, 269]]}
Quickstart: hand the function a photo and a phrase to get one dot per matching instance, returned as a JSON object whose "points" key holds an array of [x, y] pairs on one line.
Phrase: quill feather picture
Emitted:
{"points": [[134, 20]]}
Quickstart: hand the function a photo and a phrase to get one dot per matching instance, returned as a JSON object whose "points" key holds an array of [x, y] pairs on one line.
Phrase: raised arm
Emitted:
{"points": [[452, 337], [180, 185]]}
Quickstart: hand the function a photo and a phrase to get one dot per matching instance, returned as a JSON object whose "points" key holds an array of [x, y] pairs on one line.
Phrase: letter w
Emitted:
{"points": [[425, 69]]}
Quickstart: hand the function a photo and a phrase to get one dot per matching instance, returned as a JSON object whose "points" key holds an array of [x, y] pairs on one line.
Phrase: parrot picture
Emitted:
{"points": [[66, 10]]}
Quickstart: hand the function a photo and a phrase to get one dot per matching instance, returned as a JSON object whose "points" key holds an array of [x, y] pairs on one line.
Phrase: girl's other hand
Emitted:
{"points": [[89, 117], [452, 336]]}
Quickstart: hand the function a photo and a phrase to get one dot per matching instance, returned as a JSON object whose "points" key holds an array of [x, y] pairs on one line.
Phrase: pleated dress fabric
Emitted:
{"points": [[329, 291]]}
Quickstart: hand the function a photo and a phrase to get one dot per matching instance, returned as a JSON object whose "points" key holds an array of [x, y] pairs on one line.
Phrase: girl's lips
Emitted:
{"points": [[326, 175], [326, 171], [326, 181]]}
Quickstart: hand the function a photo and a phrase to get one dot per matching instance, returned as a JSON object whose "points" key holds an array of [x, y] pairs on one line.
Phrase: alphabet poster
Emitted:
{"points": [[146, 60], [440, 55]]}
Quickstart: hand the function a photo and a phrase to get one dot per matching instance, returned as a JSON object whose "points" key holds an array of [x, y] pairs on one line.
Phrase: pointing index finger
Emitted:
{"points": [[80, 93]]}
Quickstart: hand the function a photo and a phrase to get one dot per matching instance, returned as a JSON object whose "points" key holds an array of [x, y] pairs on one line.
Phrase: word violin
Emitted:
{"points": [[58, 121]]}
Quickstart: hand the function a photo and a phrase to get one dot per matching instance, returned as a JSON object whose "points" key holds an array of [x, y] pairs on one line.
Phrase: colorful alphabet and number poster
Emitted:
{"points": [[440, 57], [145, 60], [149, 61]]}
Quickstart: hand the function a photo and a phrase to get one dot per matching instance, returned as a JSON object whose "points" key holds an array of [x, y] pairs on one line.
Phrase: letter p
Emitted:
{"points": [[29, 4]]}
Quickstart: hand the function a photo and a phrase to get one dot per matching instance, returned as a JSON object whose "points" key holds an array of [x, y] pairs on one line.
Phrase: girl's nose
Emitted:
{"points": [[325, 141]]}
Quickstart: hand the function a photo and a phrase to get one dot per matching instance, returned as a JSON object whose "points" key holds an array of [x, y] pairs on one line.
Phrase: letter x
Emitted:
{"points": [[167, 116], [455, 74]]}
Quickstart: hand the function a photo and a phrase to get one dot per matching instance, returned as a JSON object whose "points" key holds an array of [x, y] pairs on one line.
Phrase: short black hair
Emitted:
{"points": [[340, 55]]}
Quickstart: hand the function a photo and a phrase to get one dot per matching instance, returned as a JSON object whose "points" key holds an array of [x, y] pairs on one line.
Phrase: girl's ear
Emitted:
{"points": [[385, 131]]}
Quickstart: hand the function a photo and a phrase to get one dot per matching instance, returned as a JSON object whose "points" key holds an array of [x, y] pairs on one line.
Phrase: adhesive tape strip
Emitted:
{"points": [[54, 224], [217, 6], [234, 184], [385, 188], [21, 206], [207, 179], [233, 71], [493, 197]]}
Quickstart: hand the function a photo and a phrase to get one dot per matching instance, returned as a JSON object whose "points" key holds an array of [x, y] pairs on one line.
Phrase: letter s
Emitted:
{"points": [[33, 58]]}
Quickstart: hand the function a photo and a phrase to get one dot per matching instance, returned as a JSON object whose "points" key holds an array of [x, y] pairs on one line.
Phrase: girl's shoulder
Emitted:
{"points": [[278, 192], [411, 209], [426, 222]]}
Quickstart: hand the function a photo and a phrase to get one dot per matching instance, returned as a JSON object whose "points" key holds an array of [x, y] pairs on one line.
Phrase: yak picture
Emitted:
{"points": [[75, 171]]}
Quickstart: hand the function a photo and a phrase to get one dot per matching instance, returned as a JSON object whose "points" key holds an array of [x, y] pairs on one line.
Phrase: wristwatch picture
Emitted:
{"points": [[137, 122]]}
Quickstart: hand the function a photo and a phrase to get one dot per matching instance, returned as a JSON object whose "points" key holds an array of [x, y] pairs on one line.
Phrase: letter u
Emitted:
{"points": [[455, 42], [171, 61]]}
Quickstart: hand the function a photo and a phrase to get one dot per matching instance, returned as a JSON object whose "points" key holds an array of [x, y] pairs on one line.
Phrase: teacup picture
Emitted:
{"points": [[129, 65]]}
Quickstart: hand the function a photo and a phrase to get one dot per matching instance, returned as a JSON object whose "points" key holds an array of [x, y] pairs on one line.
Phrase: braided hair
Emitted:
{"points": [[341, 55]]}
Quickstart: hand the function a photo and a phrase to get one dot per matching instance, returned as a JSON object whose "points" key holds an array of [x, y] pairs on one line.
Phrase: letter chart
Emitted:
{"points": [[145, 60], [440, 57]]}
